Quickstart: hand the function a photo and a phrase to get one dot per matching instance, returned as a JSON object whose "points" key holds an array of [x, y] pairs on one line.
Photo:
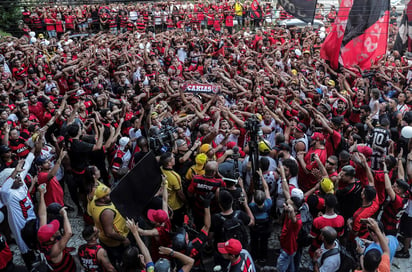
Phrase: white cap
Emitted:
{"points": [[123, 142], [297, 193], [80, 92]]}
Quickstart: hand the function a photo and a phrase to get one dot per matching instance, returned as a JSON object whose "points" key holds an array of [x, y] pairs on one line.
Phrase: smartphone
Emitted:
{"points": [[312, 156], [364, 220], [360, 242]]}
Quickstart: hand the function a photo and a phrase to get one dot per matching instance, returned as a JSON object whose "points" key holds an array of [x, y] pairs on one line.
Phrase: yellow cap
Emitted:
{"points": [[327, 185], [264, 146], [101, 191], [294, 72], [204, 148], [331, 83], [201, 159]]}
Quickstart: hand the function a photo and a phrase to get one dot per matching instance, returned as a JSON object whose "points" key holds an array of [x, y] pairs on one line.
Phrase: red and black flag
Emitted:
{"points": [[256, 10], [403, 40], [301, 9], [359, 34]]}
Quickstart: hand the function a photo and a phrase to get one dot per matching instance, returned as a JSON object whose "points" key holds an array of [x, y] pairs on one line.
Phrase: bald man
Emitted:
{"points": [[327, 257]]}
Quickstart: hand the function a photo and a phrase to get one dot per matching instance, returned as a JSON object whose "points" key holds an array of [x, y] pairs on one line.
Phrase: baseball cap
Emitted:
{"points": [[365, 150], [157, 216], [123, 142], [231, 246], [204, 148], [39, 161], [201, 159], [317, 136], [162, 265], [264, 146], [80, 92], [101, 191], [54, 208], [4, 149], [402, 184], [47, 231], [301, 127], [298, 193], [331, 83], [327, 185], [282, 146]]}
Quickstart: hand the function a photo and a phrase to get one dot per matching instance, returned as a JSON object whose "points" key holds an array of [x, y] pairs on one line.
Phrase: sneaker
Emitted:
{"points": [[402, 254]]}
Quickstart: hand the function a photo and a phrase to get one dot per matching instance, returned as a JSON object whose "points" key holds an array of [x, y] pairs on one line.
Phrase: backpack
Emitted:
{"points": [[307, 220], [40, 264], [347, 262], [234, 228]]}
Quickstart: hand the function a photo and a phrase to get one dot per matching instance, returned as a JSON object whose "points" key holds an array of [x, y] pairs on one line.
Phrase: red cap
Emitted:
{"points": [[318, 136], [231, 246], [157, 216], [365, 150], [47, 231]]}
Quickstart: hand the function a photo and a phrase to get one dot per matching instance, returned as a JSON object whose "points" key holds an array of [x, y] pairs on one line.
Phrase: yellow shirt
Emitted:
{"points": [[119, 223], [238, 9], [174, 184]]}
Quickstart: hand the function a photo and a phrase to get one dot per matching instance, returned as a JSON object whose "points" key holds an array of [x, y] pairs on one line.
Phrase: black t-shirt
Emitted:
{"points": [[79, 154], [349, 199], [138, 156], [181, 168]]}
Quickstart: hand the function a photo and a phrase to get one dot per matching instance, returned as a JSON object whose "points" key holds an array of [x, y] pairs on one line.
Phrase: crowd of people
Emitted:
{"points": [[283, 146]]}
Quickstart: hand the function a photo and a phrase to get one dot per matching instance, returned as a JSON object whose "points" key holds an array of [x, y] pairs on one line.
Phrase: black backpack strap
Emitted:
{"points": [[329, 253]]}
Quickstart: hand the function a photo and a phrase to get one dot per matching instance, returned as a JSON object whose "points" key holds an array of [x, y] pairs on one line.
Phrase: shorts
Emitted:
{"points": [[406, 225]]}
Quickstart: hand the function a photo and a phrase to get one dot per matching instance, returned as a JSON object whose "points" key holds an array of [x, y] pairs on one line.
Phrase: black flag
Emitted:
{"points": [[137, 188], [301, 9]]}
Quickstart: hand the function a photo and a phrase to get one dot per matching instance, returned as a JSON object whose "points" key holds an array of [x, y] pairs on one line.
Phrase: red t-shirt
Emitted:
{"points": [[289, 234], [6, 256], [54, 191], [364, 212]]}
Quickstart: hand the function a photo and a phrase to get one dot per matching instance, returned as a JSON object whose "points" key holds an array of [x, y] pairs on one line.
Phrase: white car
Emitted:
{"points": [[299, 23]]}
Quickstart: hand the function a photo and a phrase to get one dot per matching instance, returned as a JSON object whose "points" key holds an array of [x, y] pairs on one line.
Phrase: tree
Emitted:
{"points": [[10, 14]]}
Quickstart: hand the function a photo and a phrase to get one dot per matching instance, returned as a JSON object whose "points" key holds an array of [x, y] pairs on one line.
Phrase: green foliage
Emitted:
{"points": [[10, 14]]}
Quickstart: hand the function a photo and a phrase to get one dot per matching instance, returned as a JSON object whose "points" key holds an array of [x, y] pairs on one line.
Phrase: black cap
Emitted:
{"points": [[54, 208], [282, 146], [40, 161], [301, 127], [402, 184], [4, 149]]}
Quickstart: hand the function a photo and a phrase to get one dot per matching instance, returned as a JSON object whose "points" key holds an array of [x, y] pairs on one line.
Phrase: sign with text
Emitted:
{"points": [[201, 88]]}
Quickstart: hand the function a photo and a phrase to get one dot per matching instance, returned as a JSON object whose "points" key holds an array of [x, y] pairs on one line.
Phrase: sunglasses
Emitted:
{"points": [[331, 163]]}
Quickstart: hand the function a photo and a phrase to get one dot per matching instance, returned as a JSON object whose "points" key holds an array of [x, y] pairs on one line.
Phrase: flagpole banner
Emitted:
{"points": [[330, 49], [403, 38], [135, 190], [366, 34], [301, 9], [360, 34], [256, 10]]}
